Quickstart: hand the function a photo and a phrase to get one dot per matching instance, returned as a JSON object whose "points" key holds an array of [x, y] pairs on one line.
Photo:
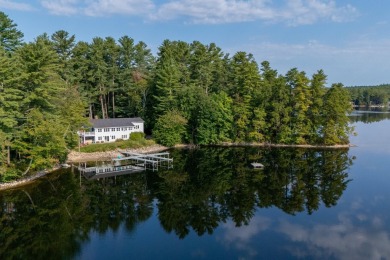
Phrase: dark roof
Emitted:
{"points": [[115, 122]]}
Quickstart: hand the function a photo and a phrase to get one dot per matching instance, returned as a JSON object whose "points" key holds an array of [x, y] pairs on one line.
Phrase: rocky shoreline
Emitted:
{"points": [[74, 156], [26, 180]]}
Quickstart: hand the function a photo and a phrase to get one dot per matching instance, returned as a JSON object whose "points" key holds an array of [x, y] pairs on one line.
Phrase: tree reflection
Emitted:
{"points": [[212, 187], [368, 117], [61, 214], [207, 186]]}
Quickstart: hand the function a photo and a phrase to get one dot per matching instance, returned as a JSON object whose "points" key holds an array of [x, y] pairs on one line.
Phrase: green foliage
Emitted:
{"points": [[137, 136], [41, 140], [189, 92], [298, 83], [213, 119], [120, 144], [257, 133], [336, 127], [10, 36], [39, 113], [170, 128], [367, 96]]}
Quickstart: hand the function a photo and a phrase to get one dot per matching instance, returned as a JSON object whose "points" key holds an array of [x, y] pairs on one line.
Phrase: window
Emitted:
{"points": [[100, 138], [124, 136], [99, 129], [106, 129], [130, 128], [118, 129], [112, 129], [113, 137]]}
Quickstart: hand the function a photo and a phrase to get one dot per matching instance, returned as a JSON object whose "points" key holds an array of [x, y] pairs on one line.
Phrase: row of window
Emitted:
{"points": [[113, 129], [107, 138]]}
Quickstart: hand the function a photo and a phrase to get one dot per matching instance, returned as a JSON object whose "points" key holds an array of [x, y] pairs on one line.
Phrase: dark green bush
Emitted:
{"points": [[137, 136]]}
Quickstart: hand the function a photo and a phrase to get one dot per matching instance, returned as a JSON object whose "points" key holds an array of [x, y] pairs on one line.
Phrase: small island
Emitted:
{"points": [[189, 93]]}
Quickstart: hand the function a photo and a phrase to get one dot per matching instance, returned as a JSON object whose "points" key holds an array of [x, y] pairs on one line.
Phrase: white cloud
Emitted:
{"points": [[296, 12], [241, 237], [98, 7], [127, 7], [61, 7], [12, 5], [343, 240], [300, 12], [216, 11]]}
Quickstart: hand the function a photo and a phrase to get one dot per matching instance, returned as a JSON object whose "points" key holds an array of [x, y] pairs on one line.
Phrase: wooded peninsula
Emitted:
{"points": [[187, 93]]}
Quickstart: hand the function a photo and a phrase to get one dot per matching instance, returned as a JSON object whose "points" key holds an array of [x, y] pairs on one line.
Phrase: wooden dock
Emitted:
{"points": [[129, 163], [151, 161]]}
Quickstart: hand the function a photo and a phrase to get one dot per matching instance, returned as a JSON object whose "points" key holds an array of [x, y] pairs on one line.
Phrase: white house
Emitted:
{"points": [[111, 129]]}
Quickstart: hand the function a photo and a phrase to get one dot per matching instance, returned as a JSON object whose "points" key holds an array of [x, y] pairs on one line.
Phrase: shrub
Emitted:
{"points": [[123, 144], [137, 136]]}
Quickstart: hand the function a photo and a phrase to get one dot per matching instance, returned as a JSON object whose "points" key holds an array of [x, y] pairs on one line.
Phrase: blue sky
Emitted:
{"points": [[349, 40]]}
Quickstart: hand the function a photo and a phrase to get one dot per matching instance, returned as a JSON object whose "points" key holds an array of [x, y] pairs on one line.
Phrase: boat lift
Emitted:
{"points": [[151, 161]]}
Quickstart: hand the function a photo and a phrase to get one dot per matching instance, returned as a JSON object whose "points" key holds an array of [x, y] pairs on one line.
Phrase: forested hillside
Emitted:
{"points": [[370, 95], [187, 93]]}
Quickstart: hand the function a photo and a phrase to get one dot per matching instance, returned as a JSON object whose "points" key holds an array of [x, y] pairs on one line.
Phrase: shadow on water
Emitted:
{"points": [[207, 187]]}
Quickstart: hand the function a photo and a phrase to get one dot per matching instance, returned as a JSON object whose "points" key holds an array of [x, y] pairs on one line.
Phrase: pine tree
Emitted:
{"points": [[335, 119], [245, 78], [299, 85], [167, 86], [80, 65], [317, 91], [279, 111], [10, 36], [10, 99], [63, 44]]}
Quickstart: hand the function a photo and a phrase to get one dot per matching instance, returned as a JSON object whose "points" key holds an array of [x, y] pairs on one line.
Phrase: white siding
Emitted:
{"points": [[123, 133]]}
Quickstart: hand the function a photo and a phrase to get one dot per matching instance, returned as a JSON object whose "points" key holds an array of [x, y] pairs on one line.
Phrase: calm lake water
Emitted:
{"points": [[305, 204]]}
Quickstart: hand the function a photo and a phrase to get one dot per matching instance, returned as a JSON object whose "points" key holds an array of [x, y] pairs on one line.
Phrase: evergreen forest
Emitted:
{"points": [[368, 96], [186, 93]]}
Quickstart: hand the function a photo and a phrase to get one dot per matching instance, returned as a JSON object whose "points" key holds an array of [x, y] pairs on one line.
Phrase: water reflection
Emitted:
{"points": [[352, 237], [206, 188], [369, 116]]}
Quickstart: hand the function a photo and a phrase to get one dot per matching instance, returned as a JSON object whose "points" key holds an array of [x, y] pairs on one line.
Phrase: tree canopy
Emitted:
{"points": [[367, 96], [188, 93]]}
